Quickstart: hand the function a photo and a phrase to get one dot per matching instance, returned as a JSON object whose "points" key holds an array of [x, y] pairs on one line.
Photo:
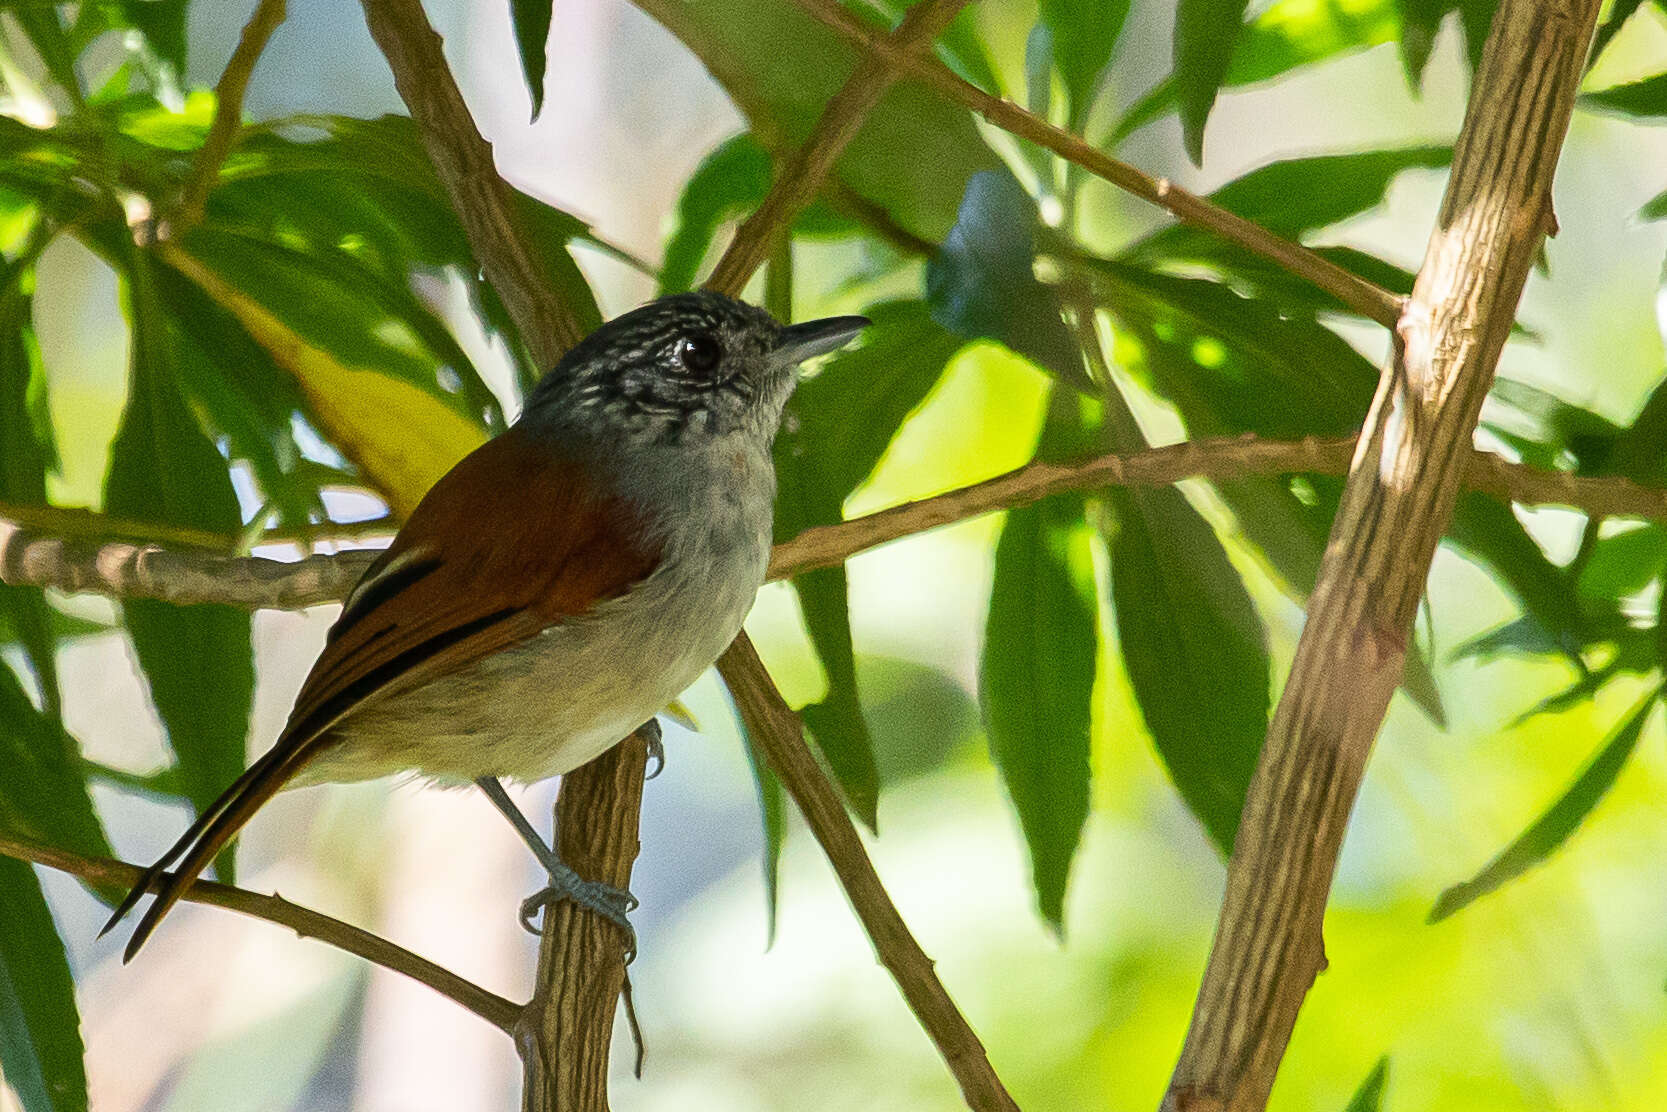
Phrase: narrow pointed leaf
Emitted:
{"points": [[532, 36], [1205, 33], [1559, 821], [1369, 1097], [1195, 652], [1085, 33], [198, 660], [1036, 683], [40, 1028], [1646, 98]]}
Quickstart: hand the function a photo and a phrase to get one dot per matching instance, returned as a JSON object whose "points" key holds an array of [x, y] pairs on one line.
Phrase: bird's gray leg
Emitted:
{"points": [[612, 904], [650, 731]]}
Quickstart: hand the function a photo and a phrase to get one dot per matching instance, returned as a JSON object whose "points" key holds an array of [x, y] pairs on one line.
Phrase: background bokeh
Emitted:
{"points": [[1549, 993]]}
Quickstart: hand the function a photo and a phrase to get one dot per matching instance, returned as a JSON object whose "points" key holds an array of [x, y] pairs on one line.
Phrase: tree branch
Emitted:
{"points": [[1363, 297], [228, 113], [1399, 497], [81, 562], [306, 923], [463, 160]]}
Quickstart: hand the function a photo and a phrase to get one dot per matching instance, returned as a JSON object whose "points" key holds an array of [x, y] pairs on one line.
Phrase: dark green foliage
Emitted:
{"points": [[40, 1029], [531, 19], [1205, 34]]}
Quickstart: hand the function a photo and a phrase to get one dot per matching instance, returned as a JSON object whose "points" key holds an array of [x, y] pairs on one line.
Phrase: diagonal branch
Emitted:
{"points": [[228, 113], [1399, 498], [306, 923], [1370, 301]]}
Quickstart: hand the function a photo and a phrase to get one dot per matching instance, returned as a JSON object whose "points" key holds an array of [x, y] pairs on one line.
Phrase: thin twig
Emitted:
{"points": [[81, 522], [305, 922], [463, 160], [228, 113], [1369, 300], [81, 562], [1400, 494]]}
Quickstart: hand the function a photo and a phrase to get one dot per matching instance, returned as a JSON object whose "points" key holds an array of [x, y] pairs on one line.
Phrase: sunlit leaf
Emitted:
{"points": [[1619, 12], [1559, 821], [1205, 34], [40, 1028], [1369, 1097], [914, 153], [198, 660]]}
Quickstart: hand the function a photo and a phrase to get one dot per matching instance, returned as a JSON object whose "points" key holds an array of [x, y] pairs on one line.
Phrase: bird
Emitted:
{"points": [[557, 588]]}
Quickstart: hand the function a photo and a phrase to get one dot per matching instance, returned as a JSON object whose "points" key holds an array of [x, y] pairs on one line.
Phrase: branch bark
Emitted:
{"points": [[1363, 297], [1400, 495], [306, 923]]}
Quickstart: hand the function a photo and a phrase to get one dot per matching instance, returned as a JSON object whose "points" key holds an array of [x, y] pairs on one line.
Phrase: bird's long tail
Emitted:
{"points": [[206, 838]]}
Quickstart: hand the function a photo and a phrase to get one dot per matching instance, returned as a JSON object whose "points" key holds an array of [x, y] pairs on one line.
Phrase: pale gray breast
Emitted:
{"points": [[554, 702]]}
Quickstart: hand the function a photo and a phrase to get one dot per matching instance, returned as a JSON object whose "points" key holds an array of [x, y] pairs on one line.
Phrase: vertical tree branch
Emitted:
{"points": [[463, 160], [1399, 497]]}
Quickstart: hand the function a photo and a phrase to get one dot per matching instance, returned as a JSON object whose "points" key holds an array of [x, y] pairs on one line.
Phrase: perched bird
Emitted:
{"points": [[554, 590]]}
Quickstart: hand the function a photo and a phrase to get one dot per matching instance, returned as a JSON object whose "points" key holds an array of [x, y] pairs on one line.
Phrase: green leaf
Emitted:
{"points": [[915, 151], [773, 816], [1421, 19], [1619, 13], [1636, 98], [1285, 37], [163, 24], [198, 659], [1369, 1097], [1195, 652], [1559, 821], [44, 27], [1205, 34], [982, 282], [26, 451], [532, 37], [40, 1028], [729, 183], [43, 789], [1084, 34], [840, 423], [1624, 563], [1036, 682]]}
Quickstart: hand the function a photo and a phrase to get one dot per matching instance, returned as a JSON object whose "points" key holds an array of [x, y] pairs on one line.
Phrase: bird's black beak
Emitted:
{"points": [[799, 342]]}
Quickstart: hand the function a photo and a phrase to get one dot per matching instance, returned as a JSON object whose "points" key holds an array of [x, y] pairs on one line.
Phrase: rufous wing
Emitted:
{"points": [[512, 540]]}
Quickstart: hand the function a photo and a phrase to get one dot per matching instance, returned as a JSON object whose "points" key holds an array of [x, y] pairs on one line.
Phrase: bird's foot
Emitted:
{"points": [[650, 732], [613, 904]]}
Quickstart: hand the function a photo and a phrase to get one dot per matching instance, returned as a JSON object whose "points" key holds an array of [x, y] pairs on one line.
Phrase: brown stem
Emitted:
{"points": [[305, 922], [1365, 298], [780, 735], [463, 160], [1400, 494], [228, 113]]}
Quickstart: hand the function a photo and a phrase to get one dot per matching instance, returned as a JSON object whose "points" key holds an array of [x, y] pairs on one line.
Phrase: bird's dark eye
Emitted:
{"points": [[699, 353]]}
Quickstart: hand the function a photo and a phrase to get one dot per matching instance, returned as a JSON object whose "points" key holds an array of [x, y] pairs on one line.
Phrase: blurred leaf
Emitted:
{"points": [[1421, 19], [773, 815], [960, 46], [1036, 683], [1619, 12], [401, 436], [839, 424], [532, 36], [26, 450], [1419, 682], [1194, 649], [44, 27], [43, 790], [915, 151], [1624, 563], [1560, 820], [1488, 531], [1369, 1097], [982, 282], [1655, 208], [163, 25], [1286, 36], [1084, 34], [1205, 34], [1636, 98], [40, 1028], [728, 184], [198, 660]]}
